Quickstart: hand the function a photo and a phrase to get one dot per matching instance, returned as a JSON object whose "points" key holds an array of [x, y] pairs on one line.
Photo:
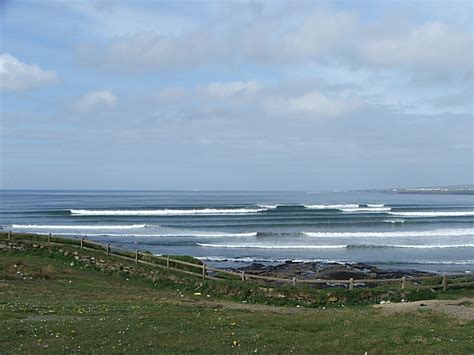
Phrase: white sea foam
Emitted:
{"points": [[442, 262], [78, 227], [263, 260], [263, 246], [394, 221], [169, 212], [375, 205], [365, 209], [350, 208], [431, 233], [331, 207], [340, 246], [268, 207], [268, 260], [169, 234], [434, 214], [412, 246]]}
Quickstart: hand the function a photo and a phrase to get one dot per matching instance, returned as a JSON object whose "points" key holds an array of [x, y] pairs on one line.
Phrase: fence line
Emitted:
{"points": [[203, 272]]}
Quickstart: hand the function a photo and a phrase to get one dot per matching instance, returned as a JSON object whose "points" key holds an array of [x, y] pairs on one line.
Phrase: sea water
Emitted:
{"points": [[432, 232]]}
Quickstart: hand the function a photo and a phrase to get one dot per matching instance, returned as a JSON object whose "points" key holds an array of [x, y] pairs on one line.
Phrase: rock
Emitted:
{"points": [[329, 271], [333, 299]]}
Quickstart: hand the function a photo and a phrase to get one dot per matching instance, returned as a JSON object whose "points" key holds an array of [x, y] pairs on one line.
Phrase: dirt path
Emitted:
{"points": [[252, 307], [462, 308]]}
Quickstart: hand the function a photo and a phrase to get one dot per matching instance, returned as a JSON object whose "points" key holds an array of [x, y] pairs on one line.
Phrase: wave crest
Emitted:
{"points": [[331, 207], [262, 246], [366, 209], [434, 214], [340, 246], [431, 233], [169, 212], [77, 227], [151, 235]]}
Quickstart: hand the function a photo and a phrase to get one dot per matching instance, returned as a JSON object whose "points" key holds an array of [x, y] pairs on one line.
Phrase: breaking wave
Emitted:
{"points": [[365, 209], [77, 227], [394, 221], [262, 246], [179, 234], [411, 246], [268, 207], [432, 233], [339, 246], [434, 214], [331, 207], [169, 212], [269, 260], [265, 260], [350, 207]]}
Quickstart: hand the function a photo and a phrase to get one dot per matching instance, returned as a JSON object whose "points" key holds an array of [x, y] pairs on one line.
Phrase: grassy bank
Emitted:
{"points": [[54, 303]]}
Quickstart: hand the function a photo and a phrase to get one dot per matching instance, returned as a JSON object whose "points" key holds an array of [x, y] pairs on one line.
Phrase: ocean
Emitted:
{"points": [[431, 232]]}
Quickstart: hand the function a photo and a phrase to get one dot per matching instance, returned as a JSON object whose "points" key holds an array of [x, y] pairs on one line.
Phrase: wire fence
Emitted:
{"points": [[204, 271]]}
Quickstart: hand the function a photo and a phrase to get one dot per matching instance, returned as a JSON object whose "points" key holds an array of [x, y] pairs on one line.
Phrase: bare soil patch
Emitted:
{"points": [[462, 308]]}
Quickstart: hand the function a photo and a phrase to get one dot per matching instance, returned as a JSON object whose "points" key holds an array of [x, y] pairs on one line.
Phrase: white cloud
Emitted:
{"points": [[96, 100], [435, 46], [319, 35], [435, 51], [151, 51], [314, 104], [18, 76], [235, 88]]}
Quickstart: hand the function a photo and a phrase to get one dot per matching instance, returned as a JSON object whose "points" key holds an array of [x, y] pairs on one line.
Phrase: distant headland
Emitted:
{"points": [[444, 189]]}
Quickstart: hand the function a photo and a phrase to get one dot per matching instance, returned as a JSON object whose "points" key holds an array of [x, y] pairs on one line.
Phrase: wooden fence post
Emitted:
{"points": [[242, 276], [445, 282], [49, 238], [351, 283], [294, 281], [82, 243], [168, 262], [203, 271], [404, 280], [136, 256], [108, 249], [9, 235]]}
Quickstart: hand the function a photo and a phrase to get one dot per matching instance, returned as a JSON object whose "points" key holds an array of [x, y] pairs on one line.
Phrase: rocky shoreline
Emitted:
{"points": [[329, 271]]}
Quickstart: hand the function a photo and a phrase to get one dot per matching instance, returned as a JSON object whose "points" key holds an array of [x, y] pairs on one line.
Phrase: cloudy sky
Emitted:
{"points": [[235, 94]]}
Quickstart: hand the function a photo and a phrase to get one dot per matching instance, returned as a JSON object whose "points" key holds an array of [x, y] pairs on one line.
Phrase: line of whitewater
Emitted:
{"points": [[351, 208], [78, 227], [331, 207], [433, 214], [431, 233], [263, 246], [169, 212], [337, 246], [150, 235], [248, 259]]}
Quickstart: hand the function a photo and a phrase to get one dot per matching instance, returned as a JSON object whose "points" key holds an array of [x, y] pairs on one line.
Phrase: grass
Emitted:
{"points": [[50, 303]]}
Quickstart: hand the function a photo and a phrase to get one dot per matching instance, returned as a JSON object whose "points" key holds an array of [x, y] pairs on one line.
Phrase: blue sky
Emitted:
{"points": [[254, 95]]}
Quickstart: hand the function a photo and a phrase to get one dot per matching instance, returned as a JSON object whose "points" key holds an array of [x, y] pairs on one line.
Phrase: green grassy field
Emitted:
{"points": [[51, 304]]}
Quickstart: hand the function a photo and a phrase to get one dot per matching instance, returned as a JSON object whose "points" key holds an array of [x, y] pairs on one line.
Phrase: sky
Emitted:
{"points": [[235, 95]]}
